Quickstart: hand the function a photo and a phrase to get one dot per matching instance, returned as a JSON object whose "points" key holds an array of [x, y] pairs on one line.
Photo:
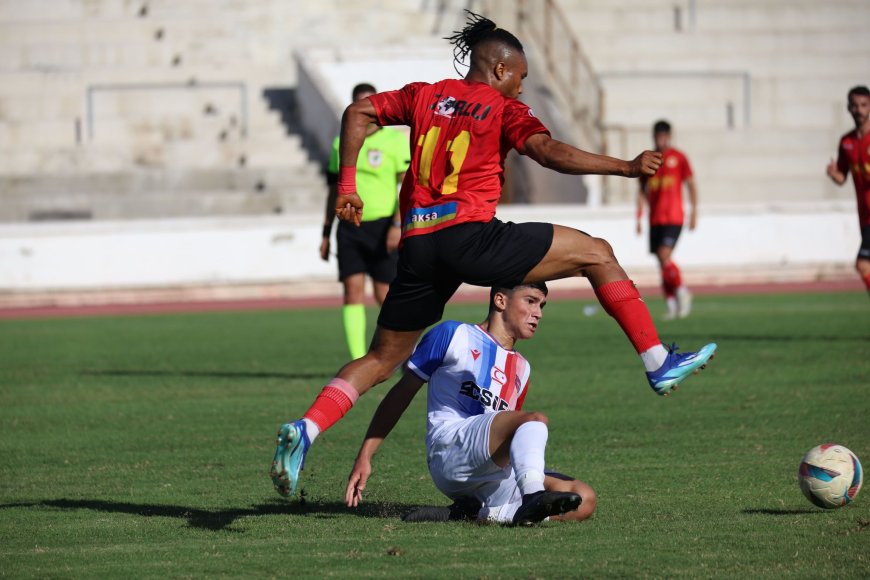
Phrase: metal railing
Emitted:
{"points": [[578, 85]]}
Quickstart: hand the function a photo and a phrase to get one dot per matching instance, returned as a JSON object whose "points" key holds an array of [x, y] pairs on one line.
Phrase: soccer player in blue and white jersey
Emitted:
{"points": [[480, 444]]}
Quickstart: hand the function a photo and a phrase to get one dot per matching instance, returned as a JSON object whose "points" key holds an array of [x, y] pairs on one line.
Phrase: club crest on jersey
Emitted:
{"points": [[376, 157], [486, 397], [446, 107], [672, 162]]}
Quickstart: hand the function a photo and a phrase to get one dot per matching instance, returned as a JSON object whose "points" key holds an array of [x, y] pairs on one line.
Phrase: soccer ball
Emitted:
{"points": [[830, 476]]}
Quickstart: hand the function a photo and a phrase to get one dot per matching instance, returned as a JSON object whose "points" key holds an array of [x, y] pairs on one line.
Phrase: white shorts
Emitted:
{"points": [[460, 465]]}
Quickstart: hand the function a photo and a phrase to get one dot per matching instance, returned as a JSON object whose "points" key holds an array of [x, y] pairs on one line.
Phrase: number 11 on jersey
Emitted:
{"points": [[458, 148]]}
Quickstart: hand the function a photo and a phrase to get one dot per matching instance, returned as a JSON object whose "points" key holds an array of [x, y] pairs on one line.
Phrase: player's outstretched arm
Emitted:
{"points": [[383, 421], [564, 158]]}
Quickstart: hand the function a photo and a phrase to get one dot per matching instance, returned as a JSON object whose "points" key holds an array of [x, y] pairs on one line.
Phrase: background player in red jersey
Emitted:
{"points": [[664, 194], [854, 156], [461, 132]]}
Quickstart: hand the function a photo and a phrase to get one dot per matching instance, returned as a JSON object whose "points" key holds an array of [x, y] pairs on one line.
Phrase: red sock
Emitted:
{"points": [[671, 276], [333, 402], [867, 282], [622, 301]]}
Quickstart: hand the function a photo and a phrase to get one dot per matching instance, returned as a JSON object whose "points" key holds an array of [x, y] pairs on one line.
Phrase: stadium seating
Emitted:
{"points": [[756, 91], [156, 108]]}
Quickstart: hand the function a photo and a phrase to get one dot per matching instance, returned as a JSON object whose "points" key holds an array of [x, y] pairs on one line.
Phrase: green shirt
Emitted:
{"points": [[384, 154]]}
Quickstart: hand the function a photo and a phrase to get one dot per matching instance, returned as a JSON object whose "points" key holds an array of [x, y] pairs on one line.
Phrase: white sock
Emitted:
{"points": [[654, 358], [311, 429], [527, 456], [672, 305]]}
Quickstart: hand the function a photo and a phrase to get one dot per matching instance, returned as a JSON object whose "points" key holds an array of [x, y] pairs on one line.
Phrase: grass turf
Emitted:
{"points": [[139, 446]]}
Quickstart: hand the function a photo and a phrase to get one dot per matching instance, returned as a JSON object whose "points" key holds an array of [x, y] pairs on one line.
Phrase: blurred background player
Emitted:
{"points": [[664, 194], [482, 449], [371, 248], [854, 157]]}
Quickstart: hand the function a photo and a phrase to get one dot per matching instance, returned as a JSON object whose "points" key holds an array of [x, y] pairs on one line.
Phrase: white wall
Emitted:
{"points": [[142, 254]]}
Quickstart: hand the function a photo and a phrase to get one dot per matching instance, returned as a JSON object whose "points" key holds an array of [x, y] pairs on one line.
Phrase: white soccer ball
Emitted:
{"points": [[830, 476]]}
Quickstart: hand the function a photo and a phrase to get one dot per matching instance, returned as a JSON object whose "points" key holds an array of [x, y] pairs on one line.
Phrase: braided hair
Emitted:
{"points": [[478, 29]]}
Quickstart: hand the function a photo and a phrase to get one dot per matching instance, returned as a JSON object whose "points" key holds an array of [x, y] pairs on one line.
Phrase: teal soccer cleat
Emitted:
{"points": [[293, 444], [678, 367]]}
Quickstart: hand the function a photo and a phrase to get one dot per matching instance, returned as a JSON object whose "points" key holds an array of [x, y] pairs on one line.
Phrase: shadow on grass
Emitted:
{"points": [[781, 512], [222, 519], [206, 374]]}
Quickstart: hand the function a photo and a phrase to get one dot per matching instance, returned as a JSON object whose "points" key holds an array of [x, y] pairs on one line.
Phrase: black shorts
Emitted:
{"points": [[363, 250], [432, 266], [663, 236], [864, 250]]}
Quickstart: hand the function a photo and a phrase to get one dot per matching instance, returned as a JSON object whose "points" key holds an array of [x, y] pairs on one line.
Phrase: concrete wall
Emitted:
{"points": [[751, 242]]}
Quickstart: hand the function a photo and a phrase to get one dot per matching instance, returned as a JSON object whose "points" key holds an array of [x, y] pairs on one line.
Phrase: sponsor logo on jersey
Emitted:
{"points": [[427, 217], [450, 107], [475, 354], [486, 397], [376, 157]]}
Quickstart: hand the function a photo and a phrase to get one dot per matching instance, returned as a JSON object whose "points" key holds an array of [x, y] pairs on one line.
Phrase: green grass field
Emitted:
{"points": [[139, 447]]}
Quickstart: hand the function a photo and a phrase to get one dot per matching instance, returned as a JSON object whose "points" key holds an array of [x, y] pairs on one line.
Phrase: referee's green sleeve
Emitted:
{"points": [[332, 166]]}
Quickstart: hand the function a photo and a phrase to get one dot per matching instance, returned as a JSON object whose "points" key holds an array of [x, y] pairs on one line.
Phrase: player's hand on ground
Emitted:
{"points": [[349, 208], [356, 483], [394, 234], [645, 165], [324, 250]]}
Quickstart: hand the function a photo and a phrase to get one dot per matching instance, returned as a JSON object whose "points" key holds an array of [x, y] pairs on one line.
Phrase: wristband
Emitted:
{"points": [[397, 224], [346, 180], [327, 230]]}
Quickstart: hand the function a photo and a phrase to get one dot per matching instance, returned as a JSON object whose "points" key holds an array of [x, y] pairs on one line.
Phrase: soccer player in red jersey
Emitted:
{"points": [[664, 194], [461, 132], [854, 156]]}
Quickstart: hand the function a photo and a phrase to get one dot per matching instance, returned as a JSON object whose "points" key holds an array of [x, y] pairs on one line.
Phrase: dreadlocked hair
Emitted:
{"points": [[478, 29]]}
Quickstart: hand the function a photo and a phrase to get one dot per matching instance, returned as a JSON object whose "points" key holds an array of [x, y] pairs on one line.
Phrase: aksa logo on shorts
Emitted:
{"points": [[486, 397]]}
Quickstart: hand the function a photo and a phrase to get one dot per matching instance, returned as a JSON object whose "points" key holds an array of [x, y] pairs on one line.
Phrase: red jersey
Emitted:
{"points": [[461, 133], [855, 157], [665, 189]]}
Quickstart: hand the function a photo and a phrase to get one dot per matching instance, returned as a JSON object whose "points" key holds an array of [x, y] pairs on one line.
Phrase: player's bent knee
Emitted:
{"points": [[537, 416]]}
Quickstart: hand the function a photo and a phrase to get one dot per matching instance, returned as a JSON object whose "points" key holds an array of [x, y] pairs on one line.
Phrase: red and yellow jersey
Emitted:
{"points": [[854, 157], [665, 189], [461, 133]]}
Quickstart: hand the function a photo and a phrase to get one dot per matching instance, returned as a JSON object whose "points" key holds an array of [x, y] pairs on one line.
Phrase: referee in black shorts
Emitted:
{"points": [[371, 248]]}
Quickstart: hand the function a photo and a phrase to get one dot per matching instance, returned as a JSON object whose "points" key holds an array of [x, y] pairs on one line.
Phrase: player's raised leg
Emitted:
{"points": [[388, 350], [574, 253]]}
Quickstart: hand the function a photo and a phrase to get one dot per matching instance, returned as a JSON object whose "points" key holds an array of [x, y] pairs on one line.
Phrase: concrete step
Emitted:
{"points": [[137, 181], [104, 206]]}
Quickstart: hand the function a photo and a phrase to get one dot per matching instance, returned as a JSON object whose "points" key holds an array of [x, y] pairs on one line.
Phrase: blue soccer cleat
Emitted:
{"points": [[293, 444], [678, 367]]}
